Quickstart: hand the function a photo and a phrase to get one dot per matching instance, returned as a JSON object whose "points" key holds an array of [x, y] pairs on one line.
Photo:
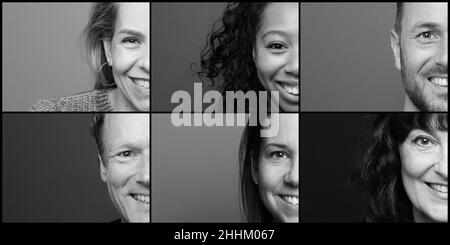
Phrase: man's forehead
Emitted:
{"points": [[425, 12], [125, 125]]}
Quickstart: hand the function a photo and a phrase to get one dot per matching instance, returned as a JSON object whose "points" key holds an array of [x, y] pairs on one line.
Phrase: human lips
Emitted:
{"points": [[290, 199], [440, 189], [440, 81], [141, 82], [290, 87], [141, 198]]}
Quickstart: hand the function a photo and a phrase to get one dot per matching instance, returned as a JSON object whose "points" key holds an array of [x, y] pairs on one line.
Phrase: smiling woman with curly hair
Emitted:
{"points": [[255, 49]]}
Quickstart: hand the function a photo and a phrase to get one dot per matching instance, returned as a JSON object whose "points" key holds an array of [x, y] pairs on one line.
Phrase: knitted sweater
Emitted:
{"points": [[95, 100]]}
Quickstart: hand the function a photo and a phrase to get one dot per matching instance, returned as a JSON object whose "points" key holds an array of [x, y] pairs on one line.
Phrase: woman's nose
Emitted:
{"points": [[291, 176]]}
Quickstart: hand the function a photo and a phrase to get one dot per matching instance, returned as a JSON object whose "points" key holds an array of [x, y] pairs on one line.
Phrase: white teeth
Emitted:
{"points": [[291, 89], [142, 198], [440, 81], [142, 83], [291, 199], [439, 188]]}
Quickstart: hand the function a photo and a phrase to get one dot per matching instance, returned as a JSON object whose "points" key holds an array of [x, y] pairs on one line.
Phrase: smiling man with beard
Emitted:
{"points": [[419, 42], [123, 146]]}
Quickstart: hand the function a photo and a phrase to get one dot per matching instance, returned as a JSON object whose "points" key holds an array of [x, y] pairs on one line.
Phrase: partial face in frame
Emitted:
{"points": [[420, 52], [128, 52], [277, 171], [127, 167], [424, 174], [276, 53]]}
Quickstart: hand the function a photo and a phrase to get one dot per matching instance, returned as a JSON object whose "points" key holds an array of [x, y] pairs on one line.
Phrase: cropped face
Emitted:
{"points": [[126, 169], [420, 52], [128, 53], [277, 171], [276, 53], [424, 174]]}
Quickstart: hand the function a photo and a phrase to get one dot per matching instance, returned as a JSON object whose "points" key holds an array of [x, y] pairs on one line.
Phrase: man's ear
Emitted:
{"points": [[103, 170], [254, 169], [395, 45], [107, 47]]}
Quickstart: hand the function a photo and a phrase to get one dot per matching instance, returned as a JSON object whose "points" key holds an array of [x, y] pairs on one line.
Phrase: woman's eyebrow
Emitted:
{"points": [[274, 32], [131, 32]]}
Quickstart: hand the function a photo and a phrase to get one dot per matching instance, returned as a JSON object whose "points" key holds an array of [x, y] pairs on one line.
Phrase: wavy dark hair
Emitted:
{"points": [[380, 175], [253, 208], [101, 25], [227, 57]]}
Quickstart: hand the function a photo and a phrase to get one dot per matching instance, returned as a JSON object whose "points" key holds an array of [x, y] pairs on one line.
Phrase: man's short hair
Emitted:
{"points": [[398, 18], [96, 125]]}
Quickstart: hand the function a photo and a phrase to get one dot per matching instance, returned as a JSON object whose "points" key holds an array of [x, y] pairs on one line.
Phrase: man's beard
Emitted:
{"points": [[416, 89]]}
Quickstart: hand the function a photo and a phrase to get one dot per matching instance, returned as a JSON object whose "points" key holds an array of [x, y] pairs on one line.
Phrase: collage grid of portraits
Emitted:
{"points": [[212, 151]]}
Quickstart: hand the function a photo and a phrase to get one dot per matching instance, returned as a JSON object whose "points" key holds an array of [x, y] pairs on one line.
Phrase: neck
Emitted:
{"points": [[409, 105], [119, 102]]}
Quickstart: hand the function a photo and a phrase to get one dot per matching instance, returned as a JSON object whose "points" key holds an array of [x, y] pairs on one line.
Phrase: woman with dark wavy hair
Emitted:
{"points": [[117, 50], [255, 49], [269, 172], [405, 169]]}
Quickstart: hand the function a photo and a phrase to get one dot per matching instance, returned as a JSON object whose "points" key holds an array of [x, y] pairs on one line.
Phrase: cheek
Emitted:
{"points": [[118, 176], [123, 59], [414, 164], [415, 57], [269, 177], [268, 65]]}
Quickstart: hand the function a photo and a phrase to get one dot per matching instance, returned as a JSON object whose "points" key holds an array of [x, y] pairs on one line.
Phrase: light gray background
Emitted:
{"points": [[50, 171], [179, 32], [42, 52], [194, 172], [346, 59]]}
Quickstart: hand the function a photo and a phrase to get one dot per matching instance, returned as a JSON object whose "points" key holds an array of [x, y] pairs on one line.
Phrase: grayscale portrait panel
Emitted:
{"points": [[194, 174], [42, 52], [332, 146], [346, 59], [50, 171], [178, 34]]}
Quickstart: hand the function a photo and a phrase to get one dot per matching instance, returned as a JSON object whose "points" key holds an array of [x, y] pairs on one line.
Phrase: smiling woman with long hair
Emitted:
{"points": [[117, 48], [269, 172], [255, 49], [404, 174]]}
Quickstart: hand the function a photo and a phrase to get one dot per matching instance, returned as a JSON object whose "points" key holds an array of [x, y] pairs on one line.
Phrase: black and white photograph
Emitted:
{"points": [[374, 56], [77, 57], [182, 122]]}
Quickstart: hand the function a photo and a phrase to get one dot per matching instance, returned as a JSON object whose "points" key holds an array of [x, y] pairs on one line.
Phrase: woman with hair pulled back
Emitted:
{"points": [[255, 49], [117, 48]]}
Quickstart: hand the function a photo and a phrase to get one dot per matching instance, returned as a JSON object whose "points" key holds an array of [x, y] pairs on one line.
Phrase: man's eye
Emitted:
{"points": [[426, 36], [125, 154]]}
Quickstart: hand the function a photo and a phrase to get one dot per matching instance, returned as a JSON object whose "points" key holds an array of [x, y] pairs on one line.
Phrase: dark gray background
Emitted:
{"points": [[346, 59], [194, 172], [178, 33], [331, 146], [42, 52], [50, 171]]}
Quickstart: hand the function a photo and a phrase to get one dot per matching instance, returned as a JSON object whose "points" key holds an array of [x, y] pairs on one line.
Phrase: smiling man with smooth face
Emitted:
{"points": [[124, 152], [419, 43]]}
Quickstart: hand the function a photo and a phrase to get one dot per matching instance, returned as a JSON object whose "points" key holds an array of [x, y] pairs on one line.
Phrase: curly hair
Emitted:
{"points": [[249, 149], [380, 174], [227, 56], [102, 20]]}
